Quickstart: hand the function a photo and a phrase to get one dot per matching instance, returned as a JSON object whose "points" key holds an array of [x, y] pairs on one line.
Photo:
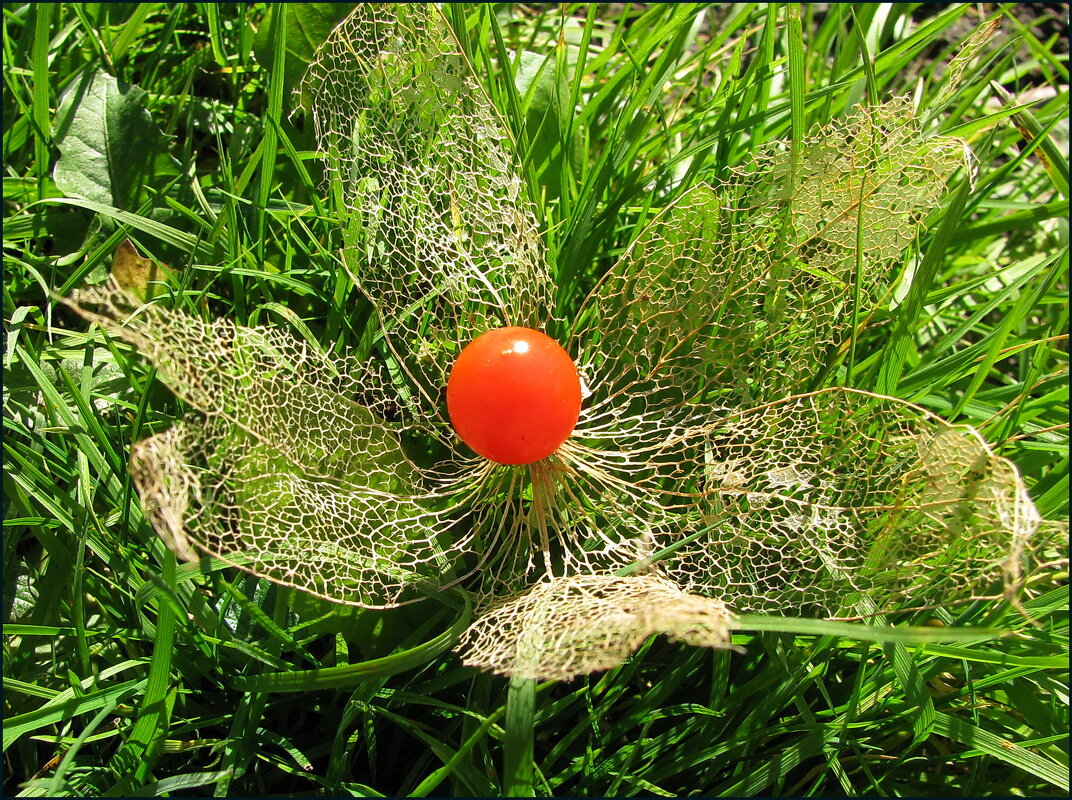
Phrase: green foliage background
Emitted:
{"points": [[170, 125]]}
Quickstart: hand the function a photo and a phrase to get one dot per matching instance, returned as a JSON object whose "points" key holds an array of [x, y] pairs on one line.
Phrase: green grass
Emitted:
{"points": [[126, 673]]}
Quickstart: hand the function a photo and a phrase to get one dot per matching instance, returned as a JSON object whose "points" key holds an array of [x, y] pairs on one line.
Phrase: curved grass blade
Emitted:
{"points": [[350, 674]]}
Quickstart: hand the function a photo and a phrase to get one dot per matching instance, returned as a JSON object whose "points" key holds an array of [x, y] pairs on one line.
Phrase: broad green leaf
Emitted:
{"points": [[307, 26], [543, 86], [110, 148]]}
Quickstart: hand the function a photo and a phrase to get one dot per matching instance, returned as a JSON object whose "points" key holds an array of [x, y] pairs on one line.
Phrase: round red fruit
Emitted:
{"points": [[514, 395]]}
